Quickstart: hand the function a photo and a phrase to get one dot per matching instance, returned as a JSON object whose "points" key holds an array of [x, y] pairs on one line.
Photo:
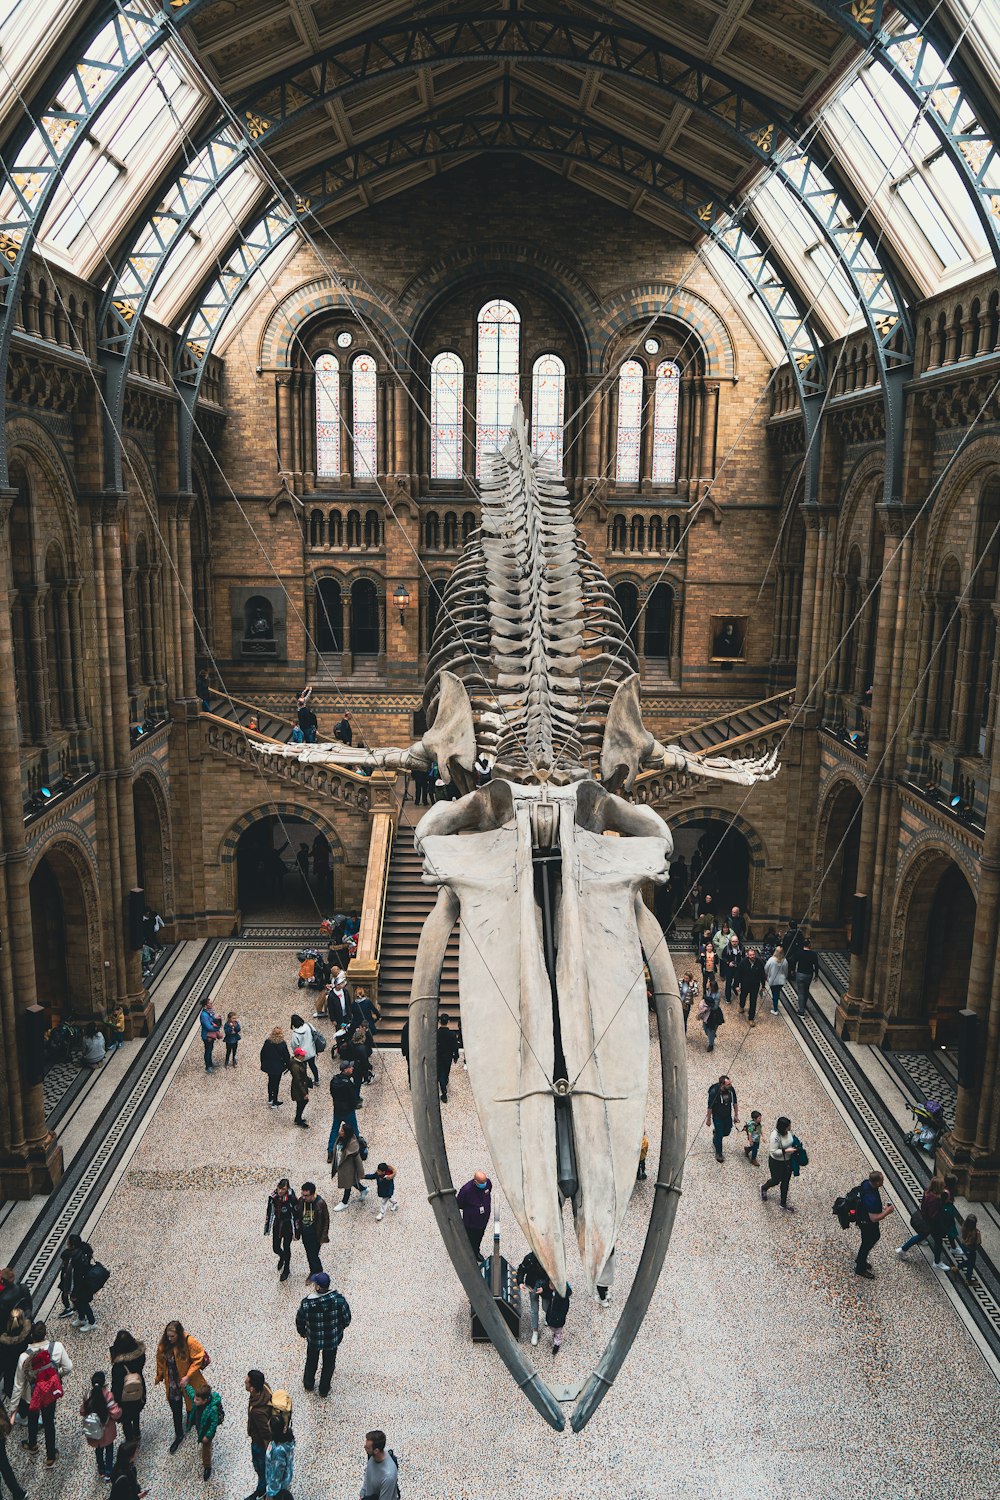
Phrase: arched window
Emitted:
{"points": [[618, 534], [665, 404], [450, 531], [636, 534], [629, 422], [432, 531], [365, 394], [327, 417], [548, 388], [354, 528], [373, 529], [329, 616], [468, 525], [364, 618], [655, 534], [499, 349], [447, 395], [659, 622], [627, 596]]}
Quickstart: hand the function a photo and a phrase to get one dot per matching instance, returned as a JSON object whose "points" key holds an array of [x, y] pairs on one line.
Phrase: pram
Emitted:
{"points": [[929, 1125], [314, 972]]}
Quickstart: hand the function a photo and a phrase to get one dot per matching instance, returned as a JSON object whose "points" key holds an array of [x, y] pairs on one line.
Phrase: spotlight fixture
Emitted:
{"points": [[955, 802], [46, 793]]}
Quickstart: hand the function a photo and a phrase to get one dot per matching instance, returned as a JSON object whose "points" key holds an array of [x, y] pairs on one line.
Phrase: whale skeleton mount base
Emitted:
{"points": [[531, 665]]}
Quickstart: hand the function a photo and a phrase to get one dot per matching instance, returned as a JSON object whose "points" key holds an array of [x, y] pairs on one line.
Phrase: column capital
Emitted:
{"points": [[7, 497], [894, 517], [105, 505]]}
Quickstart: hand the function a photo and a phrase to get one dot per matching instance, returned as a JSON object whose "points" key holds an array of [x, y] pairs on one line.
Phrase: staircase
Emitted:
{"points": [[753, 721], [237, 711], [408, 903]]}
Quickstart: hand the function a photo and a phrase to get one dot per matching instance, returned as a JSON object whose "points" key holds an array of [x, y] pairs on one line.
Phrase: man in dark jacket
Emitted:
{"points": [[345, 1104], [723, 1111], [322, 1317], [258, 1427], [738, 923], [447, 1054], [806, 969], [750, 977], [312, 1221], [792, 942], [475, 1200], [870, 1216], [13, 1293]]}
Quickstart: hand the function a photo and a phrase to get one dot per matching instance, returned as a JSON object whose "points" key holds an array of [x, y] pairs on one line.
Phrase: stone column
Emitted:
{"points": [[38, 659], [175, 666], [965, 668], [402, 464], [30, 1158], [283, 400], [185, 596], [924, 672], [593, 417], [84, 745]]}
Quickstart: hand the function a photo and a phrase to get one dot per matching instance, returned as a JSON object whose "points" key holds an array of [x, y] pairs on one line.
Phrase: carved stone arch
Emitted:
{"points": [[69, 857], [29, 443], [662, 299], [755, 843], [150, 777], [981, 454], [928, 851], [322, 296], [864, 484], [834, 794], [226, 856]]}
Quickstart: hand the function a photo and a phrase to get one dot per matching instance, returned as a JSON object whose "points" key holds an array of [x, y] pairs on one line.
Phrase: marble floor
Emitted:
{"points": [[765, 1370]]}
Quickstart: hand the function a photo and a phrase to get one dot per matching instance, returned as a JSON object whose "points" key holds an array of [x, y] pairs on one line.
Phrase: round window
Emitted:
{"points": [[345, 340], [652, 346]]}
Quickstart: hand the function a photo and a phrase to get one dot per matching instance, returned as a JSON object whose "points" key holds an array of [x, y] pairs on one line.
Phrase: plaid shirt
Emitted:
{"points": [[321, 1320]]}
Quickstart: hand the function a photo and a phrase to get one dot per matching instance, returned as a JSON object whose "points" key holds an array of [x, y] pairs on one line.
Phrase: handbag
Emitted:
{"points": [[918, 1223], [215, 1035], [319, 1040]]}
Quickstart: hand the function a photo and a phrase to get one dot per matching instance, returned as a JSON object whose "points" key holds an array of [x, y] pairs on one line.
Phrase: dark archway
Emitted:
{"points": [[936, 951], [149, 850], [364, 618], [627, 596], [839, 860], [269, 881], [329, 617], [659, 623], [61, 938], [717, 856]]}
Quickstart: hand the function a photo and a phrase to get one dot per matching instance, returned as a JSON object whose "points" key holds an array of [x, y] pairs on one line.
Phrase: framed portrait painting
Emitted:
{"points": [[728, 637]]}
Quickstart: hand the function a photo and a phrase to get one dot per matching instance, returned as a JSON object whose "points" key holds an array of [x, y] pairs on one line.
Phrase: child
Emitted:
{"points": [[232, 1032], [556, 1310], [689, 993], [384, 1177], [100, 1413], [752, 1129], [116, 1026], [968, 1246], [205, 1415], [640, 1175]]}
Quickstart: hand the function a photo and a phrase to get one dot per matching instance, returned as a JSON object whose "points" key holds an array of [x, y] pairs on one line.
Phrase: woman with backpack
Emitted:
{"points": [[128, 1384], [928, 1222], [275, 1060], [304, 1036], [38, 1383], [179, 1355], [710, 1012], [348, 1166], [77, 1276], [101, 1414]]}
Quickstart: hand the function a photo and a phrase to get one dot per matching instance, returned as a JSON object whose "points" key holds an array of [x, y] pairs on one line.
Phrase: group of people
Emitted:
{"points": [[733, 966]]}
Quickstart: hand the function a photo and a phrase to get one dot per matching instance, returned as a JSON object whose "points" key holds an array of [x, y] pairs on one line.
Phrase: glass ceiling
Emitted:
{"points": [[921, 211]]}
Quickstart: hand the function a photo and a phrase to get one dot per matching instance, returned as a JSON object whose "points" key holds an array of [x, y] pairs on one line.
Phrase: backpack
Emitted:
{"points": [[362, 1148], [396, 1462], [133, 1388], [93, 1427], [97, 1277], [281, 1406], [319, 1040], [847, 1209]]}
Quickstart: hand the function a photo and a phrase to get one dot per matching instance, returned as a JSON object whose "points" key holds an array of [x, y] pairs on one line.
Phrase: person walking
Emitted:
{"points": [[791, 943], [258, 1427], [303, 1036], [710, 1012], [753, 1132], [345, 1105], [348, 1167], [534, 1278], [688, 990], [206, 1414], [275, 1060], [128, 1383], [928, 1222], [41, 1370], [179, 1355], [322, 1318], [447, 1054], [381, 1479], [806, 971], [280, 1219], [312, 1221], [750, 978], [15, 1336], [475, 1202], [969, 1245], [299, 1086], [723, 1112], [781, 1149], [78, 1267], [279, 1464], [730, 960], [124, 1479], [101, 1415], [7, 1475], [869, 1220], [384, 1178], [211, 1031], [776, 975], [556, 1306]]}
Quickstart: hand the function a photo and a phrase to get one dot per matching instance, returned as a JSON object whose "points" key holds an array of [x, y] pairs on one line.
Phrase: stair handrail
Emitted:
{"points": [[254, 708], [740, 739], [257, 734], [364, 966], [742, 708]]}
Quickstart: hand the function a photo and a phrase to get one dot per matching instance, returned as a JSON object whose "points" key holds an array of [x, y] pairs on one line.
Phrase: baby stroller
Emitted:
{"points": [[314, 973], [929, 1125]]}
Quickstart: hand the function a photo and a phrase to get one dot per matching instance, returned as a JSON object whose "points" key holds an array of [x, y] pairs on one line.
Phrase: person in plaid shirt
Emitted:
{"points": [[321, 1319]]}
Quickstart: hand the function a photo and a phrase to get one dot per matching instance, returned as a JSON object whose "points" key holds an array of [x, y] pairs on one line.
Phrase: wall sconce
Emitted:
{"points": [[401, 599]]}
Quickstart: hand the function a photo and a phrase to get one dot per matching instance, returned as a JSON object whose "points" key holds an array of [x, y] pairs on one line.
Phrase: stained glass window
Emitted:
{"points": [[327, 417], [364, 390], [629, 422], [447, 395], [496, 376], [548, 388], [665, 402]]}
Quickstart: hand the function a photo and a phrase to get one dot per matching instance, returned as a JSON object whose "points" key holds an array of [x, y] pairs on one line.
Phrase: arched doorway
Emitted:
{"points": [[149, 851], [270, 882], [939, 922], [364, 618], [718, 856], [61, 937], [329, 617], [627, 597], [839, 860]]}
